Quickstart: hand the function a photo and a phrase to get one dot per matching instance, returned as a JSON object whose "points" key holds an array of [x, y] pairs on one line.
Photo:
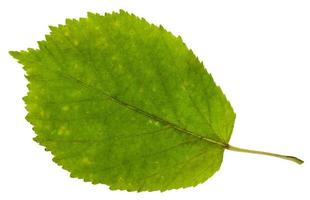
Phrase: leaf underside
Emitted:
{"points": [[123, 102]]}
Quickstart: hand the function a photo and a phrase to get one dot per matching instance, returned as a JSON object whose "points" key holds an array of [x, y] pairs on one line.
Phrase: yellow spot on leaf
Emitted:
{"points": [[65, 108], [86, 161], [63, 131]]}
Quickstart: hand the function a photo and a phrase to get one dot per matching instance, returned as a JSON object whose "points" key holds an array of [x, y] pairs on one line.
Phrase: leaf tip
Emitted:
{"points": [[14, 54]]}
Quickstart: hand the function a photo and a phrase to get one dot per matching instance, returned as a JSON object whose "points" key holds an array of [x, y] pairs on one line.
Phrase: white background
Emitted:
{"points": [[257, 51]]}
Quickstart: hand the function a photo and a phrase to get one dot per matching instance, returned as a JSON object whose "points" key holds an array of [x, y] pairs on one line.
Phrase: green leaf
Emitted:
{"points": [[123, 102]]}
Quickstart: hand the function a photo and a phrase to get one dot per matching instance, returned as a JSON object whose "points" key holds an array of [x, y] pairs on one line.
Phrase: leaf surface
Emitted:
{"points": [[123, 102]]}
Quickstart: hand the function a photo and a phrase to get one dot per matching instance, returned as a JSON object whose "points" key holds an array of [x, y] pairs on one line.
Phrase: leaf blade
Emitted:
{"points": [[138, 78]]}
